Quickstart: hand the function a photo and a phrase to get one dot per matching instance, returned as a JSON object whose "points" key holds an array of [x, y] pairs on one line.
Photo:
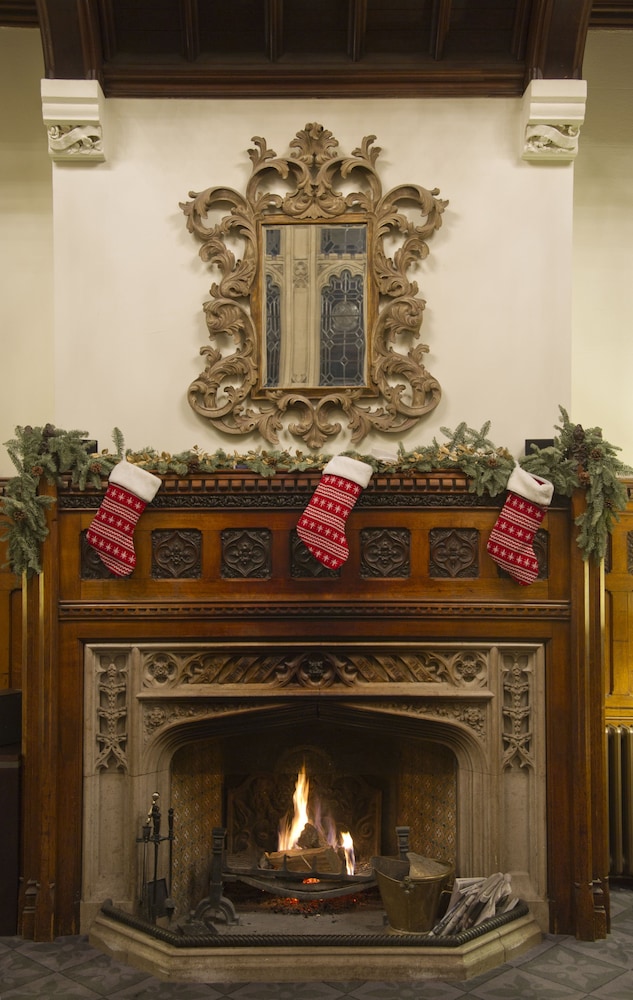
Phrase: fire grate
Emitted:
{"points": [[315, 885]]}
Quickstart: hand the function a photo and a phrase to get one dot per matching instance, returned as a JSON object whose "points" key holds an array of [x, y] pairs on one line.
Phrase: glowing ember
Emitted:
{"points": [[293, 830]]}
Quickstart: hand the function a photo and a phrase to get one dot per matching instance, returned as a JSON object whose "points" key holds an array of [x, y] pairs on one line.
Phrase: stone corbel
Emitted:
{"points": [[72, 111], [552, 114]]}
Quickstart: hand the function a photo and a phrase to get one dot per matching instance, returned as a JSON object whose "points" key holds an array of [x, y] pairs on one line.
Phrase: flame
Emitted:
{"points": [[291, 828], [348, 846]]}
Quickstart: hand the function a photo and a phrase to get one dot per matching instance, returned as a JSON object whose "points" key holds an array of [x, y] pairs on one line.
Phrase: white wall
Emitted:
{"points": [[26, 248], [129, 286], [602, 359]]}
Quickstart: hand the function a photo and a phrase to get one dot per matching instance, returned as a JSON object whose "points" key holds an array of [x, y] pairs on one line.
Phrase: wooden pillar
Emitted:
{"points": [[40, 727], [588, 750]]}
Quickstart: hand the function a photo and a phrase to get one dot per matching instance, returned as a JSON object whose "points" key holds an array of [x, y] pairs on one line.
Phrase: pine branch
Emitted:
{"points": [[578, 458]]}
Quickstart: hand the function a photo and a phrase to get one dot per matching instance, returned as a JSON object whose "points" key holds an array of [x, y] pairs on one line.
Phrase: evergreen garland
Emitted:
{"points": [[578, 458]]}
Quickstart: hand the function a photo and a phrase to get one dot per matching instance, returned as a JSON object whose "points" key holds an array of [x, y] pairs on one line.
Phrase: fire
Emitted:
{"points": [[348, 846], [291, 828], [290, 831]]}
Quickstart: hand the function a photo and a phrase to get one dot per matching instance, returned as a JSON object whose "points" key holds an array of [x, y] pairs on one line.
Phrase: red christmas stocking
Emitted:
{"points": [[322, 525], [111, 532], [510, 542]]}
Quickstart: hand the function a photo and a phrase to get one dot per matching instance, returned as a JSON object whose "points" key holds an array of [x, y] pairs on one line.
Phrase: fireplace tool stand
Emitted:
{"points": [[156, 893]]}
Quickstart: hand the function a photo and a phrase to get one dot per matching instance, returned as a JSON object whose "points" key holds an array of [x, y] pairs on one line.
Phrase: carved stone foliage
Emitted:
{"points": [[517, 711], [540, 544], [177, 554], [385, 552], [454, 553], [157, 716], [454, 710], [111, 729], [68, 142], [317, 668], [314, 229], [246, 553]]}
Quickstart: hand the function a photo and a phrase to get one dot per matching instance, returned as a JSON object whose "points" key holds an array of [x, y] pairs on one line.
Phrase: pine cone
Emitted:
{"points": [[584, 478], [37, 471]]}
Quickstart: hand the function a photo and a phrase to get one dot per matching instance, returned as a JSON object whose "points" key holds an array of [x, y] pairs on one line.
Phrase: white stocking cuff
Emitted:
{"points": [[349, 468], [140, 482], [532, 488]]}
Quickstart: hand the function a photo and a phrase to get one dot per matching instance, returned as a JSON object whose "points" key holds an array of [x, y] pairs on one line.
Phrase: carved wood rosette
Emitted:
{"points": [[390, 389]]}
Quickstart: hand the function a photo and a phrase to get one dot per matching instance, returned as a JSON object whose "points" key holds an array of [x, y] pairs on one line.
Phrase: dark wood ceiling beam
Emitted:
{"points": [[71, 39], [612, 14], [356, 80], [440, 24], [521, 28], [108, 30], [190, 28], [357, 29], [558, 35], [274, 29], [18, 14]]}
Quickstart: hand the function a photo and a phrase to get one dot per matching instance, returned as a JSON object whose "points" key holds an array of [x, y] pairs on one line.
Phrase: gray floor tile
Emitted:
{"points": [[559, 968], [55, 986], [573, 968]]}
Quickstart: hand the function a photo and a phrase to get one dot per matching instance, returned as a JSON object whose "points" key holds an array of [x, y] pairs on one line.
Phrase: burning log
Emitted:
{"points": [[300, 859]]}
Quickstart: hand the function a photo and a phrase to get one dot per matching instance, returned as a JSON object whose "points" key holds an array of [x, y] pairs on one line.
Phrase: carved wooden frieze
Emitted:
{"points": [[303, 565], [177, 554], [92, 567], [246, 553], [385, 552], [454, 553], [324, 321]]}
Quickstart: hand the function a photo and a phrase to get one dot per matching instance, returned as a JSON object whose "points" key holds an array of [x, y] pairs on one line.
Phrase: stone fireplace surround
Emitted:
{"points": [[483, 703], [218, 628]]}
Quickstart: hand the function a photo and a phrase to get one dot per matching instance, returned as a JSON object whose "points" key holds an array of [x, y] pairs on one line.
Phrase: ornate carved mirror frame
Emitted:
{"points": [[314, 317]]}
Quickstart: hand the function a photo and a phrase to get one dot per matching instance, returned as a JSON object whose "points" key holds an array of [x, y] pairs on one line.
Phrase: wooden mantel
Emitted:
{"points": [[218, 559]]}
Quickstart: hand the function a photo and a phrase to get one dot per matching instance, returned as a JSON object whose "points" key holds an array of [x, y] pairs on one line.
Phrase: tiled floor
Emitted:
{"points": [[560, 968]]}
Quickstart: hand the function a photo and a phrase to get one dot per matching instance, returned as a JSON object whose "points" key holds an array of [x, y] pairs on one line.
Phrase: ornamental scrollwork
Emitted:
{"points": [[325, 322]]}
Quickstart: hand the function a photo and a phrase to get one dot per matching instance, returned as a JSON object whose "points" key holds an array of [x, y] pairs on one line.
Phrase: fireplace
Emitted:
{"points": [[444, 739], [423, 688]]}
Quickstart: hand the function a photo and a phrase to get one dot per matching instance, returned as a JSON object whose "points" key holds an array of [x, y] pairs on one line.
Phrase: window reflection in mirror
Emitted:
{"points": [[314, 305]]}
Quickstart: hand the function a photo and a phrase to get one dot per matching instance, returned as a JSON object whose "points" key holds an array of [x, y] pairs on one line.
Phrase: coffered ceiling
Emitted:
{"points": [[314, 48]]}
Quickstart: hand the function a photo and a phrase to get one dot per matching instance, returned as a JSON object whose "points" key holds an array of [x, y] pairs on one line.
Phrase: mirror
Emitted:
{"points": [[314, 318]]}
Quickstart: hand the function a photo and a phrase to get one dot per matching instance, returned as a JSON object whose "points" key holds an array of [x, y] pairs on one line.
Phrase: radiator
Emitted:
{"points": [[620, 770]]}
